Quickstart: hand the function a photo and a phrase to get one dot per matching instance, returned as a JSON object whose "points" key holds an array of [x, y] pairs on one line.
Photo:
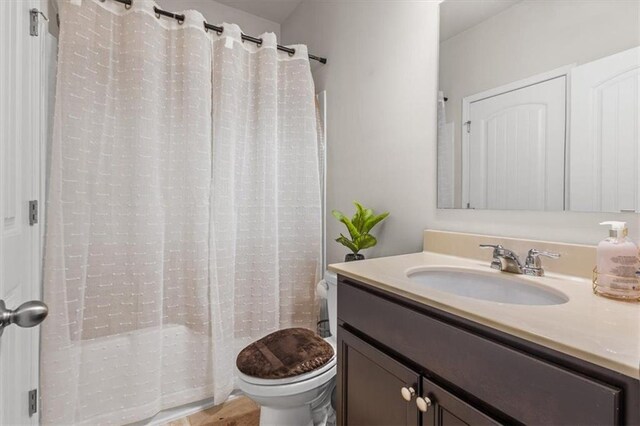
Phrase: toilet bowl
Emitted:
{"points": [[291, 401]]}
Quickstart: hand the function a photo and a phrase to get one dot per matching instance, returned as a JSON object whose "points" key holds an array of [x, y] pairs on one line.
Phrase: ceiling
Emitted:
{"points": [[273, 10], [457, 16]]}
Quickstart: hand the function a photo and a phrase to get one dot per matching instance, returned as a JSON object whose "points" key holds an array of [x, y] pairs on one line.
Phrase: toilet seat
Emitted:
{"points": [[303, 381], [287, 380], [312, 381]]}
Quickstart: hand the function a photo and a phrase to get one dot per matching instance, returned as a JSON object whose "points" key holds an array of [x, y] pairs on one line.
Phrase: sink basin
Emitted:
{"points": [[487, 286]]}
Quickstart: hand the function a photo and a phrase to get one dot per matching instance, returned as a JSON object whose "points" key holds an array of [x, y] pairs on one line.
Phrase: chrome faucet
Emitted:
{"points": [[504, 259], [508, 261]]}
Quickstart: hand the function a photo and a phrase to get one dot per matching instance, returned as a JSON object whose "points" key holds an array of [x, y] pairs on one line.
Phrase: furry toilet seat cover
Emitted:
{"points": [[284, 353]]}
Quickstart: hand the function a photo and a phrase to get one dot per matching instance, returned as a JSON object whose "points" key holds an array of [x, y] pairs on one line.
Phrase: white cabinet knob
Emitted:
{"points": [[407, 393], [423, 403]]}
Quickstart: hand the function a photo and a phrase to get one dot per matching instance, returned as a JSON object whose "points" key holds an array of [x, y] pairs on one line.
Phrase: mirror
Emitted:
{"points": [[538, 105]]}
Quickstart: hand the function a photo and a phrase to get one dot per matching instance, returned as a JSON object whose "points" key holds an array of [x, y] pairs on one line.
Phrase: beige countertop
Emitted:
{"points": [[598, 330]]}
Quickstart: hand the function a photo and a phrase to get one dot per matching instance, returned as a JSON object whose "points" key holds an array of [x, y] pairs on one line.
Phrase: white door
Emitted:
{"points": [[604, 146], [516, 148], [20, 136]]}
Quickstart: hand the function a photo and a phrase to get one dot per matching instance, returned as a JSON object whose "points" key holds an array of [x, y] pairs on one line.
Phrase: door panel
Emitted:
{"points": [[448, 410], [605, 123], [517, 148], [370, 387], [20, 112]]}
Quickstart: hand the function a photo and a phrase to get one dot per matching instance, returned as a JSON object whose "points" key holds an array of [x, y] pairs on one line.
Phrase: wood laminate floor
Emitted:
{"points": [[240, 411]]}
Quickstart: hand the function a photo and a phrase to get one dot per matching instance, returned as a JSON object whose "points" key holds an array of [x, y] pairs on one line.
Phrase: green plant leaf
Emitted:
{"points": [[353, 230], [358, 217], [337, 214], [359, 226], [368, 213], [366, 241], [347, 243], [373, 221]]}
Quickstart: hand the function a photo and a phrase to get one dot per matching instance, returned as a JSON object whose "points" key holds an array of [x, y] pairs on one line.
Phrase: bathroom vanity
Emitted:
{"points": [[414, 356]]}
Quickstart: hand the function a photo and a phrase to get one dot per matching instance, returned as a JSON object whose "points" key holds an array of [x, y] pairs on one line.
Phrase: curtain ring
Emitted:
{"points": [[128, 5], [259, 44], [157, 15], [293, 52], [221, 31], [180, 21]]}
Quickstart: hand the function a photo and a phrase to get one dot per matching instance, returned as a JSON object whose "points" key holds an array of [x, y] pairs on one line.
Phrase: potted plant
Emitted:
{"points": [[358, 226]]}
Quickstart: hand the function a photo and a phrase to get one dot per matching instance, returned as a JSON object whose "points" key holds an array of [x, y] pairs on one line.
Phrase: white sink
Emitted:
{"points": [[499, 288]]}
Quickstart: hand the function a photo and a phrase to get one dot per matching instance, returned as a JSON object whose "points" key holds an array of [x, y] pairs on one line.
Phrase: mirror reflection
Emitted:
{"points": [[538, 105]]}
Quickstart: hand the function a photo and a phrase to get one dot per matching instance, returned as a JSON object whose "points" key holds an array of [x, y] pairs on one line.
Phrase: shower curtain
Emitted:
{"points": [[446, 179], [183, 216]]}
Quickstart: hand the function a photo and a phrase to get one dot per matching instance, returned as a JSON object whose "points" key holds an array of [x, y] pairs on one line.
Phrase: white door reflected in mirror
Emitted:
{"points": [[514, 147], [539, 105]]}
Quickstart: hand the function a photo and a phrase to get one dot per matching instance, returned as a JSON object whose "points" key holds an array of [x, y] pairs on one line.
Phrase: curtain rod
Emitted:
{"points": [[220, 30]]}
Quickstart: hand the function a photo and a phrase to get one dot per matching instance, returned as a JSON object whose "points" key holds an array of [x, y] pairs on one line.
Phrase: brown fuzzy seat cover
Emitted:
{"points": [[284, 353]]}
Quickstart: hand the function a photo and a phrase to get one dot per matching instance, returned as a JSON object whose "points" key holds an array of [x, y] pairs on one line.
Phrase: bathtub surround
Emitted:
{"points": [[173, 226]]}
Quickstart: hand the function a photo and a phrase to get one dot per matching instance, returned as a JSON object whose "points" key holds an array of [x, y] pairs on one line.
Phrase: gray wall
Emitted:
{"points": [[530, 38], [381, 92], [381, 84]]}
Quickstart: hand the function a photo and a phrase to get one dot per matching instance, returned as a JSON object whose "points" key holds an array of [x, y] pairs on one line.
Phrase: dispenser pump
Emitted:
{"points": [[618, 229]]}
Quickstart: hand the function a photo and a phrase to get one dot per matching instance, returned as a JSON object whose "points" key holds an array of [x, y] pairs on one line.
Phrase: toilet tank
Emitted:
{"points": [[332, 301]]}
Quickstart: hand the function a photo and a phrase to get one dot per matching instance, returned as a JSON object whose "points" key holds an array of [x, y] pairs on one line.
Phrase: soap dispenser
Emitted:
{"points": [[617, 264]]}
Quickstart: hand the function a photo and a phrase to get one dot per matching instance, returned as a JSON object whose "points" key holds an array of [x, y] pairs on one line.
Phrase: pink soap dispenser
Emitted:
{"points": [[617, 264]]}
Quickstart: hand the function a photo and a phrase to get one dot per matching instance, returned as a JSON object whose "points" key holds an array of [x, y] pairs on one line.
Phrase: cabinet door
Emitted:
{"points": [[370, 386], [448, 410]]}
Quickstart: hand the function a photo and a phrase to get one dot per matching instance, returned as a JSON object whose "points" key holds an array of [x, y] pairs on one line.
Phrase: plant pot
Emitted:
{"points": [[353, 256]]}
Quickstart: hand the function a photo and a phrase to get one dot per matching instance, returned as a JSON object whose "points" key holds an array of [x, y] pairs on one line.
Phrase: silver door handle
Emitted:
{"points": [[29, 314]]}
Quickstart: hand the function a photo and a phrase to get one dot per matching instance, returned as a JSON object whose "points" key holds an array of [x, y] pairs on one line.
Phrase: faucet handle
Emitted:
{"points": [[498, 251], [535, 254], [533, 264], [497, 248]]}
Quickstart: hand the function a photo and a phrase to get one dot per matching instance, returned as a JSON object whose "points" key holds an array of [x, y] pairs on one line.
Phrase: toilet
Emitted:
{"points": [[297, 400]]}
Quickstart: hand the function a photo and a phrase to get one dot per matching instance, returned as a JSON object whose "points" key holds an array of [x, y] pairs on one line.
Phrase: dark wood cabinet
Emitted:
{"points": [[448, 410], [372, 384], [470, 374]]}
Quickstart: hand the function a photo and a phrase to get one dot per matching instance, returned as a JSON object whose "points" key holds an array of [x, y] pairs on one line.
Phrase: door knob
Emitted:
{"points": [[423, 403], [407, 393], [29, 314]]}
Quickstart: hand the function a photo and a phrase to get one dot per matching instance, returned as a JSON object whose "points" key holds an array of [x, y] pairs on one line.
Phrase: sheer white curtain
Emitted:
{"points": [[183, 211], [265, 196]]}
